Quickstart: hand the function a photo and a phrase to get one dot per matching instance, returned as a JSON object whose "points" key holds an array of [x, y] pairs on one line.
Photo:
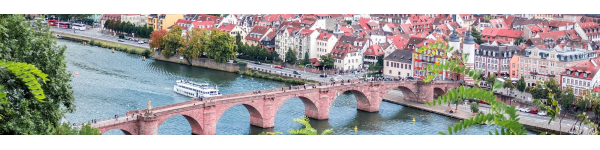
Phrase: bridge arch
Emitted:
{"points": [[361, 99], [194, 124], [438, 92], [254, 109], [310, 105]]}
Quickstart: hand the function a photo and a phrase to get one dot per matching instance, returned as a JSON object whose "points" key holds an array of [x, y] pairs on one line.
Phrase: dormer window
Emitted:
{"points": [[585, 75], [576, 73], [568, 72]]}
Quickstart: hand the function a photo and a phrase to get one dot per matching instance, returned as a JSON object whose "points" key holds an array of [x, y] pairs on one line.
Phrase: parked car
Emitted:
{"points": [[533, 111], [258, 63], [121, 40], [409, 78], [296, 73], [323, 76], [541, 113], [278, 67], [524, 109], [140, 42]]}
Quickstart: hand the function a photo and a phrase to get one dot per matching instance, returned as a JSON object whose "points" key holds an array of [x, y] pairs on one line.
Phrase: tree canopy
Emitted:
{"points": [[36, 46], [476, 35], [521, 84], [327, 61], [157, 39], [290, 56]]}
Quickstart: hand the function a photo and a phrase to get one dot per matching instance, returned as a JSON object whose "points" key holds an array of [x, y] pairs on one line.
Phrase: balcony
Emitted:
{"points": [[533, 73]]}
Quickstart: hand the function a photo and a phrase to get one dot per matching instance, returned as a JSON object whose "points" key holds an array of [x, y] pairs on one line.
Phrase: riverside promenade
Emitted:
{"points": [[532, 122]]}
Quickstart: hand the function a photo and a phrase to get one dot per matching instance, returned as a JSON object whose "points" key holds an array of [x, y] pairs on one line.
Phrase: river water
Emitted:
{"points": [[113, 83]]}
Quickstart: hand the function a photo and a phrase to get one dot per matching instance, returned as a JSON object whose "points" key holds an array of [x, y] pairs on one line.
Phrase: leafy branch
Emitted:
{"points": [[27, 73]]}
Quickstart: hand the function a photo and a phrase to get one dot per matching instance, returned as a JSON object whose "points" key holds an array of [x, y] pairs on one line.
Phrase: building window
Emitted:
{"points": [[399, 73], [390, 71]]}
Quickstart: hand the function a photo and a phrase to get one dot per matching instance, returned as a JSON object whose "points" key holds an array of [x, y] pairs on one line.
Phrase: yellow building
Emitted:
{"points": [[155, 21], [169, 20]]}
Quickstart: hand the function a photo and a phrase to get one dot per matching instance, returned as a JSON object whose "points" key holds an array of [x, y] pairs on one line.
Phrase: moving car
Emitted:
{"points": [[278, 67], [333, 80], [323, 76], [296, 72], [257, 62], [121, 40], [140, 42]]}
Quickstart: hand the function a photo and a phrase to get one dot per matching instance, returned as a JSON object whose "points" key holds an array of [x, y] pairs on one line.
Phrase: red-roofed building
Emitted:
{"points": [[256, 35], [588, 31], [270, 20], [207, 25], [204, 17], [372, 53], [399, 41], [465, 20], [325, 43], [269, 42], [346, 57], [233, 30], [531, 31], [363, 24], [499, 23], [500, 35], [581, 76], [420, 23]]}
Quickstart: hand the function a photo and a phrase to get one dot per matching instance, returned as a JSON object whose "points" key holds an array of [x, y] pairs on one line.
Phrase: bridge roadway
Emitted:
{"points": [[263, 104]]}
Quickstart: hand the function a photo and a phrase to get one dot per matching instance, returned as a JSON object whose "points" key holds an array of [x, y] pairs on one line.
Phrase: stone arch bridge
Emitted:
{"points": [[263, 105]]}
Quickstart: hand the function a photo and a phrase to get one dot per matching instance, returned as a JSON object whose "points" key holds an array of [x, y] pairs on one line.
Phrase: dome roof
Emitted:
{"points": [[454, 37], [469, 39]]}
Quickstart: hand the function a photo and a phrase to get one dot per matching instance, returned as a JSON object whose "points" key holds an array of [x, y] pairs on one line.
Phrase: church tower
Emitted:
{"points": [[454, 41], [469, 47]]}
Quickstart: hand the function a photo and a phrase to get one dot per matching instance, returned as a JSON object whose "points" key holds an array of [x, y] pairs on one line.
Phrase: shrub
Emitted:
{"points": [[146, 52], [474, 107]]}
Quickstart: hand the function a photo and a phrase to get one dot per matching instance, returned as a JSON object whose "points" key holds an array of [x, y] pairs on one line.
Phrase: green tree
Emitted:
{"points": [[290, 56], [518, 40], [308, 130], [172, 42], [491, 79], [67, 129], [306, 59], [327, 61], [508, 84], [221, 46], [348, 21], [106, 24], [567, 100], [378, 66], [238, 38], [476, 35], [474, 107], [22, 112], [521, 84], [194, 44]]}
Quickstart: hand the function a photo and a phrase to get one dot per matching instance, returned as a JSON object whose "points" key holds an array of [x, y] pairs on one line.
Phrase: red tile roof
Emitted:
{"points": [[203, 17], [510, 33], [490, 32], [324, 35], [315, 62], [587, 67], [554, 35], [399, 41], [363, 23], [534, 28], [286, 16], [208, 25], [374, 50], [262, 30], [227, 28], [340, 50]]}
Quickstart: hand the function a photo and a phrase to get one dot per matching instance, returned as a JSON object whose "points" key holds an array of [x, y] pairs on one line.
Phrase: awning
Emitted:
{"points": [[596, 89]]}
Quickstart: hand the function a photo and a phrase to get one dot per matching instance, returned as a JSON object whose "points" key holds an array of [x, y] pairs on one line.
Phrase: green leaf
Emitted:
{"points": [[449, 130]]}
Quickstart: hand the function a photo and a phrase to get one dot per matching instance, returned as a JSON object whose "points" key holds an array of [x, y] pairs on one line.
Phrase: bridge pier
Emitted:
{"points": [[323, 114], [262, 122], [148, 125]]}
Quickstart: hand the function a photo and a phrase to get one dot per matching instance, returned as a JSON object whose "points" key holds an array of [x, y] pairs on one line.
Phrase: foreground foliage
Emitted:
{"points": [[22, 111]]}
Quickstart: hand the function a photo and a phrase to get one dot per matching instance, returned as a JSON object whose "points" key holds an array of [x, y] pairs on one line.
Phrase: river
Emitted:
{"points": [[113, 83]]}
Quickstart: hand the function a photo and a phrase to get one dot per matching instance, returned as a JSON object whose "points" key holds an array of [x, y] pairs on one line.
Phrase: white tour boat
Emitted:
{"points": [[193, 89]]}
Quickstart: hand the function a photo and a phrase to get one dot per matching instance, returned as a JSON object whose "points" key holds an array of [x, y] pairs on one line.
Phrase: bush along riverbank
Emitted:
{"points": [[109, 45], [271, 77]]}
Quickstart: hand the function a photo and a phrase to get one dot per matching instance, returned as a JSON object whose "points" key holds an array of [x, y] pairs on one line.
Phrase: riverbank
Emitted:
{"points": [[107, 44], [396, 97], [200, 62]]}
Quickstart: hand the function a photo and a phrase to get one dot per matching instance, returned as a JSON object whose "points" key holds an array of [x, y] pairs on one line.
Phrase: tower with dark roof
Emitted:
{"points": [[469, 47], [454, 41]]}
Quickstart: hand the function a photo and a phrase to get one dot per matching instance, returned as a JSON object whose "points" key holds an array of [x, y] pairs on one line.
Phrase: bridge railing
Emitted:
{"points": [[120, 120]]}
